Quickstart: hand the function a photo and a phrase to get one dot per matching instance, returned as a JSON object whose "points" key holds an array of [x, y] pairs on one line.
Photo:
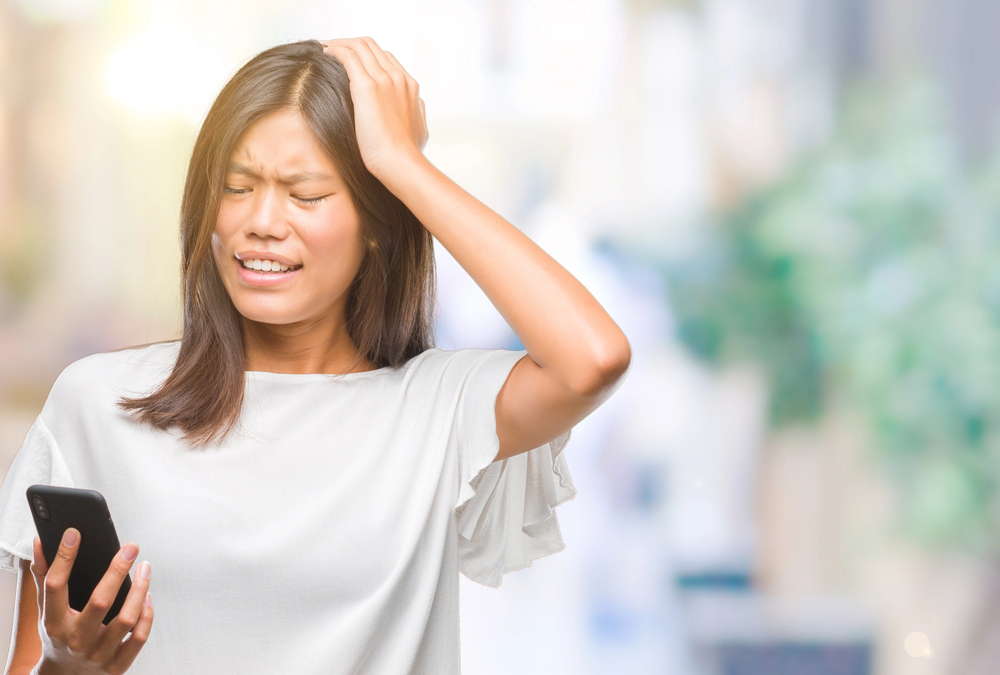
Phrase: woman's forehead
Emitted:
{"points": [[282, 144]]}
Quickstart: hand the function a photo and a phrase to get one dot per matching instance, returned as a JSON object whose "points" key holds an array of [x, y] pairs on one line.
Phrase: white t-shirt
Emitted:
{"points": [[326, 535]]}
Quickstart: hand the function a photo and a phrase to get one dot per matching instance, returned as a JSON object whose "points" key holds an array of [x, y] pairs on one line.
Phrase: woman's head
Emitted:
{"points": [[287, 111], [287, 242]]}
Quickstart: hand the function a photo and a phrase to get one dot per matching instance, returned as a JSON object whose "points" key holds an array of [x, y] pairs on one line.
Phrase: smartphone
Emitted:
{"points": [[57, 508]]}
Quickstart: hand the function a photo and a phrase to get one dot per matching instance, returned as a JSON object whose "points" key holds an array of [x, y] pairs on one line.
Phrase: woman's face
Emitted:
{"points": [[286, 207]]}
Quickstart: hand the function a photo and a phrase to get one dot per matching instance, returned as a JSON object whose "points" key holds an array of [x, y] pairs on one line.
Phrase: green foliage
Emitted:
{"points": [[873, 270]]}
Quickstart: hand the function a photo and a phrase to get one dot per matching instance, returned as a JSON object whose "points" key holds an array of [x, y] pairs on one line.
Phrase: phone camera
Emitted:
{"points": [[41, 508]]}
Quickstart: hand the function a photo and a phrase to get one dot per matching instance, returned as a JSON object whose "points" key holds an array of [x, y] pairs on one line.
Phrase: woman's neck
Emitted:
{"points": [[301, 348]]}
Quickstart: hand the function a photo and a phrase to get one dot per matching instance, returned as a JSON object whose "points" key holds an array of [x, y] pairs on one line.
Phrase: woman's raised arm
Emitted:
{"points": [[577, 355]]}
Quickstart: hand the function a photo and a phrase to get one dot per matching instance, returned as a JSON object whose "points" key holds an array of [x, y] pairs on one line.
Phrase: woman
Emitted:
{"points": [[308, 473]]}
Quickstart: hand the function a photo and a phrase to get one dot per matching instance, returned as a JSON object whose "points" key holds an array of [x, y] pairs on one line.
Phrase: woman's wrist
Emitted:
{"points": [[45, 667], [403, 172]]}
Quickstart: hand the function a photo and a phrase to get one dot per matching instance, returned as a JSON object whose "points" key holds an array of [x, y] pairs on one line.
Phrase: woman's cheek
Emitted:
{"points": [[227, 222], [331, 238]]}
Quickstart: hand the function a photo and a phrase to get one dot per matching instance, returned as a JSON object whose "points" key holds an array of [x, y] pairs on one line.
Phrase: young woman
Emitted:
{"points": [[307, 473]]}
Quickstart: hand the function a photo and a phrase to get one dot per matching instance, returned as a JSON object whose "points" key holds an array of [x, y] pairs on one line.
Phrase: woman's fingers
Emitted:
{"points": [[55, 581], [397, 64], [389, 116], [360, 54], [105, 593], [356, 70], [110, 642], [129, 649], [368, 58], [420, 133], [83, 636], [383, 61], [376, 62]]}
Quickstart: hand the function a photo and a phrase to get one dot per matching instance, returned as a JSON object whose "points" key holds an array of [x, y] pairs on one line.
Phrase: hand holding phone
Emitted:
{"points": [[78, 641], [87, 603]]}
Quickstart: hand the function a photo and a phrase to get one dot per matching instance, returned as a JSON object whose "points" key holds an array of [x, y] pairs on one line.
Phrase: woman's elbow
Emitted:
{"points": [[607, 371]]}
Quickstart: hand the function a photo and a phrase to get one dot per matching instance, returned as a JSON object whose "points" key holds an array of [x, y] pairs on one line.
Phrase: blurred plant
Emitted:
{"points": [[873, 271]]}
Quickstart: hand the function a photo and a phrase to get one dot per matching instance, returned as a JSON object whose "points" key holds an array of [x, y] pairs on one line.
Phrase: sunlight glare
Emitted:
{"points": [[165, 70]]}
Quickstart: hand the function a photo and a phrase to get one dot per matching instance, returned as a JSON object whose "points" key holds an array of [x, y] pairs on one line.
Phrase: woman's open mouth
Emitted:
{"points": [[260, 272]]}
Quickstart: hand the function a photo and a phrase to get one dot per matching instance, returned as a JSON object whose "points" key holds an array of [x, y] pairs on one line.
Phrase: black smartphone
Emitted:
{"points": [[57, 508]]}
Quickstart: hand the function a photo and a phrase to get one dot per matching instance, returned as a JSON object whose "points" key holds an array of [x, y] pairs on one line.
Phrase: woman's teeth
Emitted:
{"points": [[266, 266]]}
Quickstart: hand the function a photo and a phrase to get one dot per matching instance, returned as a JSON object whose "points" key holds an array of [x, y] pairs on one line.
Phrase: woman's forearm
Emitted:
{"points": [[566, 331], [563, 327]]}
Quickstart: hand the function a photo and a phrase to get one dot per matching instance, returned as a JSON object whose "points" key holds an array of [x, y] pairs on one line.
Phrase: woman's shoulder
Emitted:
{"points": [[128, 371], [457, 364], [129, 360]]}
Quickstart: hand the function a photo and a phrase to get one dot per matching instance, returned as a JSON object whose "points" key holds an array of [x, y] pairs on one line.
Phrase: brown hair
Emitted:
{"points": [[390, 301]]}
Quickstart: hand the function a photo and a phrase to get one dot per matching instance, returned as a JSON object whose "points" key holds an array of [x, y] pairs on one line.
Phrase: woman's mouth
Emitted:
{"points": [[265, 273], [267, 266]]}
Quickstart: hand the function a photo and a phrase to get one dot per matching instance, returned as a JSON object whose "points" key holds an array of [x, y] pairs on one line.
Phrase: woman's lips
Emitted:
{"points": [[262, 279]]}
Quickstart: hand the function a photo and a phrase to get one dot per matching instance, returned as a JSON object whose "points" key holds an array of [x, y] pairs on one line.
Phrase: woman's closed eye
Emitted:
{"points": [[303, 200], [309, 200]]}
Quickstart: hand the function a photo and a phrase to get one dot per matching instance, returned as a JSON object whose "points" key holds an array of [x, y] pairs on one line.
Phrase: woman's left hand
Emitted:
{"points": [[389, 116]]}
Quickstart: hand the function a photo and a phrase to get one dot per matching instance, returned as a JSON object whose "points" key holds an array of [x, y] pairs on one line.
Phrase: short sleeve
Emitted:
{"points": [[506, 509], [37, 462]]}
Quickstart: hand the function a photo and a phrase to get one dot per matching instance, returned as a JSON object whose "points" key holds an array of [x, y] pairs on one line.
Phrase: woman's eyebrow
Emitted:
{"points": [[291, 179]]}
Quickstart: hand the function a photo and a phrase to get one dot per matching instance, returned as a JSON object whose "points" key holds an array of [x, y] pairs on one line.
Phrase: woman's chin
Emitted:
{"points": [[269, 316], [286, 309]]}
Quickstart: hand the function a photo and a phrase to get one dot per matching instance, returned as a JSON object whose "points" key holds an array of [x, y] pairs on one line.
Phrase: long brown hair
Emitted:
{"points": [[390, 302]]}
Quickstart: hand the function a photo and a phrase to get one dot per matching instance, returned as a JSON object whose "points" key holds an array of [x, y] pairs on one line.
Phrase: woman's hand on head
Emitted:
{"points": [[389, 116], [78, 642]]}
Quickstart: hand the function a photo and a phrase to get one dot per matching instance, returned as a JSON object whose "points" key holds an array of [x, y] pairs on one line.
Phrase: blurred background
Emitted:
{"points": [[790, 207]]}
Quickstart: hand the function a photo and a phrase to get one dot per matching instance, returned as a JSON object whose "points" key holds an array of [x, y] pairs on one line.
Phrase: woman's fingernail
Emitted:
{"points": [[129, 552], [149, 600], [70, 537], [144, 569]]}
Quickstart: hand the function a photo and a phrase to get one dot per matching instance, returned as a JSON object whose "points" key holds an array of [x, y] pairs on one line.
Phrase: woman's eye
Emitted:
{"points": [[235, 191], [309, 200]]}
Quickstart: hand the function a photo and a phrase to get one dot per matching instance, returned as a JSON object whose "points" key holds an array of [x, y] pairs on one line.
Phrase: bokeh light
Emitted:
{"points": [[918, 645], [164, 69]]}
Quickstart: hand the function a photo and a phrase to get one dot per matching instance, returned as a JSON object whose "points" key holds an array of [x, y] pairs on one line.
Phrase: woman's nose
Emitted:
{"points": [[267, 218]]}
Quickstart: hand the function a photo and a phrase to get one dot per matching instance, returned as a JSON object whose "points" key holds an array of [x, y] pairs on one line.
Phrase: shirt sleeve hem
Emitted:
{"points": [[506, 511], [30, 467]]}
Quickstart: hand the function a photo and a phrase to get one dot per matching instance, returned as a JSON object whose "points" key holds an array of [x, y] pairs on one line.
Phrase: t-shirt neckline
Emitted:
{"points": [[268, 376]]}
